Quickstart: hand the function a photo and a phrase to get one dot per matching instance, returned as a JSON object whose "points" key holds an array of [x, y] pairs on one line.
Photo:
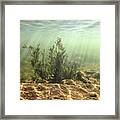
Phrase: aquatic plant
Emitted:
{"points": [[54, 65], [70, 70], [35, 62], [56, 59]]}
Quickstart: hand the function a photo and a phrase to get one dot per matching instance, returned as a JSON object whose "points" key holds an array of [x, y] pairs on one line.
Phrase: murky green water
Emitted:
{"points": [[81, 38]]}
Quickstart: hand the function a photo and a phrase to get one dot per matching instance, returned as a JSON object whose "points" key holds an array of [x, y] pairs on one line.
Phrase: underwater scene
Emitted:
{"points": [[59, 59]]}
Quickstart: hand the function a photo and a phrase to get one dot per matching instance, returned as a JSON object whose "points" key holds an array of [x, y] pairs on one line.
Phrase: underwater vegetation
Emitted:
{"points": [[52, 65]]}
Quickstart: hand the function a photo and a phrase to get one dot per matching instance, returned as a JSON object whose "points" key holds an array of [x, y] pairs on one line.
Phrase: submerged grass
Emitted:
{"points": [[52, 65]]}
